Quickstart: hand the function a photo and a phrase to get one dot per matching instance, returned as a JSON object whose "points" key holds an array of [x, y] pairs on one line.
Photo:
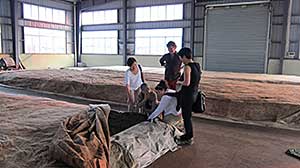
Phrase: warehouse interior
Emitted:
{"points": [[63, 101]]}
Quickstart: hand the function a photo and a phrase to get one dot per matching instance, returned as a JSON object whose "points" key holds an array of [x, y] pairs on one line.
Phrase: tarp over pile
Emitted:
{"points": [[83, 140], [141, 145]]}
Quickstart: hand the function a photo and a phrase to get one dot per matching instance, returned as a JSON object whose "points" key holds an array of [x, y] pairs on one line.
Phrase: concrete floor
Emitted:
{"points": [[221, 144], [226, 145]]}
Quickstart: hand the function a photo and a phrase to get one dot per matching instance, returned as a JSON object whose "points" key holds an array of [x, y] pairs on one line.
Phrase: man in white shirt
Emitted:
{"points": [[133, 81], [167, 105]]}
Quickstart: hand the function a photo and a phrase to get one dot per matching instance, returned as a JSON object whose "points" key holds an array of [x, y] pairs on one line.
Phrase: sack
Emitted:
{"points": [[199, 104], [83, 140]]}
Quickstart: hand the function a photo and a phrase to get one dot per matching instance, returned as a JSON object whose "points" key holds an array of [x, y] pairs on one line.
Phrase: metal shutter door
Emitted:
{"points": [[236, 38]]}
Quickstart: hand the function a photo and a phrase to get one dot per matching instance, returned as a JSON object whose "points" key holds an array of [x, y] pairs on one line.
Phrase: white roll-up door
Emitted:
{"points": [[236, 38]]}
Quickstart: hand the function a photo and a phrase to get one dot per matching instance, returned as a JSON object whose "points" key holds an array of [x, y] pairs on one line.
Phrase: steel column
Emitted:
{"points": [[77, 32], [124, 31], [14, 18], [287, 9], [192, 33]]}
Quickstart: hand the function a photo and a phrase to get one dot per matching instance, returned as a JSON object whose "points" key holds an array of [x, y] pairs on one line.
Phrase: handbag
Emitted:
{"points": [[199, 105]]}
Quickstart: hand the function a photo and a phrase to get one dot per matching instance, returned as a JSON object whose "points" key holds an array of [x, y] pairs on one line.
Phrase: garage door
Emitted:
{"points": [[236, 38]]}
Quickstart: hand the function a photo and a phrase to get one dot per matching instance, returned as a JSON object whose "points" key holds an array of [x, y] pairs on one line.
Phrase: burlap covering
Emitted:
{"points": [[140, 145], [83, 140]]}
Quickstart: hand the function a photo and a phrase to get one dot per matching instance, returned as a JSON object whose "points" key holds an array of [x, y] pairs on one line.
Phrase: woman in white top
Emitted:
{"points": [[133, 81], [167, 105]]}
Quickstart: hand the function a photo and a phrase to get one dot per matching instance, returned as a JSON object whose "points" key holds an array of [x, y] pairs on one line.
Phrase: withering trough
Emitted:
{"points": [[28, 125], [236, 96]]}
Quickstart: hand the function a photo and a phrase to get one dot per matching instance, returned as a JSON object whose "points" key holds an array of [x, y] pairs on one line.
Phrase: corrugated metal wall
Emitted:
{"points": [[6, 27], [276, 29], [295, 28], [236, 38], [199, 29]]}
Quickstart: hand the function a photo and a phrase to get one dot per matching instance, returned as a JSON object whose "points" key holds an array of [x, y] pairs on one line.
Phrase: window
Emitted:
{"points": [[153, 41], [156, 13], [100, 17], [44, 40], [35, 12], [100, 42]]}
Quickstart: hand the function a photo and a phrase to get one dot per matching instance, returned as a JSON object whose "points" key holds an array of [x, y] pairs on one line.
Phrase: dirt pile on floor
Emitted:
{"points": [[233, 95]]}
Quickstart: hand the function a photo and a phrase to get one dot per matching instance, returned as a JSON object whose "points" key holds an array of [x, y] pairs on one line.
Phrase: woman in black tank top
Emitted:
{"points": [[189, 90]]}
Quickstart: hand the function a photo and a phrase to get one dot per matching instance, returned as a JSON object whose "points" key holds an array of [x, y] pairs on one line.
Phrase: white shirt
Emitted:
{"points": [[167, 104], [134, 81]]}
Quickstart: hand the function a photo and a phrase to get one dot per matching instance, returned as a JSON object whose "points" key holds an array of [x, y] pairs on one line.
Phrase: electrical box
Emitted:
{"points": [[290, 54]]}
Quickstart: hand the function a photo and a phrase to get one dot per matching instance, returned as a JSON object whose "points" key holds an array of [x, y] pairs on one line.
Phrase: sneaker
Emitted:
{"points": [[181, 142]]}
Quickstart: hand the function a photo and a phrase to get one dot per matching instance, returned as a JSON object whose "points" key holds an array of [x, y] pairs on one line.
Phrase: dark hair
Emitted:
{"points": [[162, 85], [144, 85], [187, 52], [171, 43], [130, 61]]}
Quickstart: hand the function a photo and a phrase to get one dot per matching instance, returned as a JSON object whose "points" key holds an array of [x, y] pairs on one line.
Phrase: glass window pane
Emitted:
{"points": [[59, 16], [142, 14], [158, 13], [178, 11], [153, 41], [157, 45], [100, 46], [49, 14], [111, 16], [86, 45], [28, 44], [44, 40], [62, 17], [100, 42], [170, 12], [87, 18], [42, 14], [44, 44], [27, 11], [142, 45], [59, 45], [154, 13], [34, 12], [99, 17], [31, 31]]}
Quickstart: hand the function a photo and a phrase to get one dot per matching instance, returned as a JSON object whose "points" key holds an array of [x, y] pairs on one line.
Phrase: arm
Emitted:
{"points": [[154, 100], [187, 76], [127, 87], [128, 93], [162, 60], [161, 107], [141, 100]]}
